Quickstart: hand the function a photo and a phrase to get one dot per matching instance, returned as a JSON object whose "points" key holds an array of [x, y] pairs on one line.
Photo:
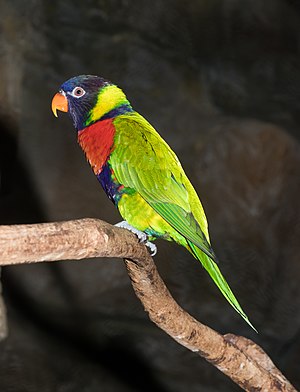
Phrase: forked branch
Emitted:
{"points": [[237, 357]]}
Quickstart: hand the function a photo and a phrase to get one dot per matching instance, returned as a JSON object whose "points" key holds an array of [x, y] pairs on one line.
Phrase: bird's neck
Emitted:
{"points": [[97, 142], [118, 111], [111, 102]]}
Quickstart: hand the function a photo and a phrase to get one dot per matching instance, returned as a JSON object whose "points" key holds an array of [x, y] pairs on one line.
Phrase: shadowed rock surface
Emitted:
{"points": [[220, 81]]}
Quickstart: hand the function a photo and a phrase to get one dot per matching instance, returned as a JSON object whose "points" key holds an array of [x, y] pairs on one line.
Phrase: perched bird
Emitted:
{"points": [[138, 171]]}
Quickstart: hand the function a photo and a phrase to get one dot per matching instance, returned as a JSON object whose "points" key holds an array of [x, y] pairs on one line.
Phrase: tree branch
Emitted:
{"points": [[237, 357]]}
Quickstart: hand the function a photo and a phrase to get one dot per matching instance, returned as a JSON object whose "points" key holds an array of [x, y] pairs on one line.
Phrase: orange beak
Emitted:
{"points": [[59, 102]]}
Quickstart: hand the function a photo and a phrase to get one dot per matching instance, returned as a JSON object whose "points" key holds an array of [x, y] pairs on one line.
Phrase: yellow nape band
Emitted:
{"points": [[109, 98]]}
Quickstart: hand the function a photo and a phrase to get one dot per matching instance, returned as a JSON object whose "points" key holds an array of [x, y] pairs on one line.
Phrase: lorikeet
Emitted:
{"points": [[138, 171]]}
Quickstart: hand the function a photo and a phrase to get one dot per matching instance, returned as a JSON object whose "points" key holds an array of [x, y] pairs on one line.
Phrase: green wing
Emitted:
{"points": [[142, 160]]}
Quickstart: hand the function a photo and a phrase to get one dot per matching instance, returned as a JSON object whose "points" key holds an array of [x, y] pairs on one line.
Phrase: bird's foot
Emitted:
{"points": [[140, 234], [142, 237], [152, 248]]}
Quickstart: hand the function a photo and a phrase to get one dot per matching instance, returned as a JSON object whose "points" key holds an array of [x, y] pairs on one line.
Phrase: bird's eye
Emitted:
{"points": [[78, 92]]}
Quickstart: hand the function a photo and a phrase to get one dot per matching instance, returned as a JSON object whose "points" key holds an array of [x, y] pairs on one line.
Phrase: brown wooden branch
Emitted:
{"points": [[237, 357]]}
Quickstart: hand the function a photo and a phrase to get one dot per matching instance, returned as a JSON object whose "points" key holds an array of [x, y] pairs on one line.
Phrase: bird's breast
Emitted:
{"points": [[97, 142], [111, 186]]}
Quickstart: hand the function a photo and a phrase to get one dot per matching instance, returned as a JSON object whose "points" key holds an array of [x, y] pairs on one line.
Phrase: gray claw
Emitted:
{"points": [[152, 247], [140, 235]]}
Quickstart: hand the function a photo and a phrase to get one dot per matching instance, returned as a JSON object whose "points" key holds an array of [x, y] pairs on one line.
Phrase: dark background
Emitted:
{"points": [[220, 81]]}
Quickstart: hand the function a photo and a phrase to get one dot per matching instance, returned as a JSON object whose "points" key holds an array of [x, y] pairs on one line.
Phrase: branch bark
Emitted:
{"points": [[237, 357]]}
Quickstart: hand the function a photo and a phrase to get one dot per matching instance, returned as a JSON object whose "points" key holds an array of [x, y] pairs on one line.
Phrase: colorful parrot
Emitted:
{"points": [[139, 172]]}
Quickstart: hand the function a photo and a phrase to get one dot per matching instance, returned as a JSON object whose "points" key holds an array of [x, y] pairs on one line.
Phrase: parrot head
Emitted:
{"points": [[87, 99]]}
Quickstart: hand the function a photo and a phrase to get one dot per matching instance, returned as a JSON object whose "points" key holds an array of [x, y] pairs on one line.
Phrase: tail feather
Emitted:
{"points": [[215, 273]]}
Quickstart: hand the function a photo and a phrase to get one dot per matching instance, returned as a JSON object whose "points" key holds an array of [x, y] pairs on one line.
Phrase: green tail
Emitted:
{"points": [[213, 270]]}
